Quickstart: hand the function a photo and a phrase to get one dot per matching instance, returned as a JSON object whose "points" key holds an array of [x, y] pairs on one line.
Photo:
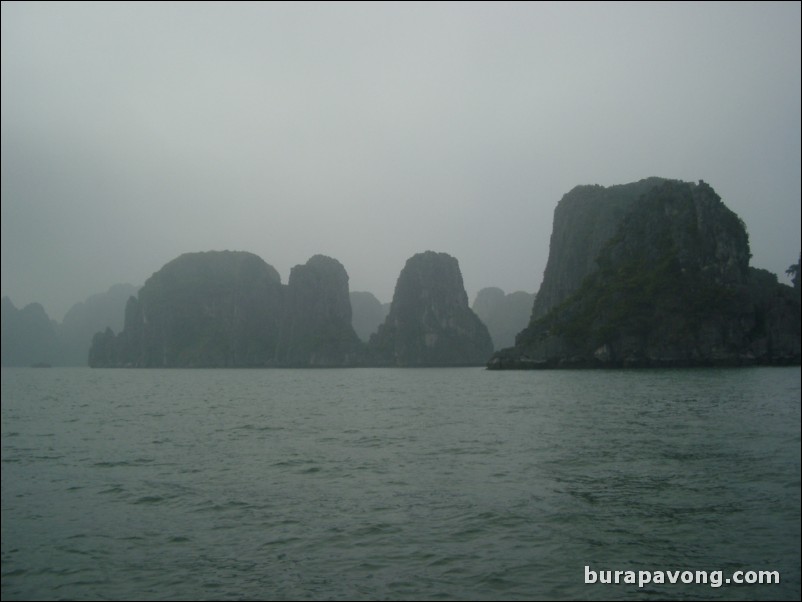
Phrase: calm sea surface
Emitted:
{"points": [[396, 484]]}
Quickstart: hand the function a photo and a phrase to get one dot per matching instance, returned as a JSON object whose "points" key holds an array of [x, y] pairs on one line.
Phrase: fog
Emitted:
{"points": [[132, 133]]}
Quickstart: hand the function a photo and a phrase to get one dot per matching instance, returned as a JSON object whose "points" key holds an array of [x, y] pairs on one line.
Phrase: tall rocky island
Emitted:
{"points": [[654, 273], [316, 329], [430, 322], [229, 309], [584, 221], [218, 308]]}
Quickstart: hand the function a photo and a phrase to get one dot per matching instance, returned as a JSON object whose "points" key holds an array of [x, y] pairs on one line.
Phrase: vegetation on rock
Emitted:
{"points": [[672, 287]]}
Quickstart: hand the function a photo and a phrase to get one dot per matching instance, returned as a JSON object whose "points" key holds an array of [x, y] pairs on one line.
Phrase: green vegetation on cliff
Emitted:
{"points": [[584, 220], [672, 287]]}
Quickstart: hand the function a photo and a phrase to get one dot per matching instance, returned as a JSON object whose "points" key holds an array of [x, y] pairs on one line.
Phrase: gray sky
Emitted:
{"points": [[132, 133]]}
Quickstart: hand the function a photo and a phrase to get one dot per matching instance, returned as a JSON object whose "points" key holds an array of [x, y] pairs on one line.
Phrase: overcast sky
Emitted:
{"points": [[132, 133]]}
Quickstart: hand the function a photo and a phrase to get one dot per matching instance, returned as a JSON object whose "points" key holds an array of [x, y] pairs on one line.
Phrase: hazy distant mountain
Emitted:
{"points": [[430, 322], [29, 337], [671, 286], [84, 319], [504, 315], [367, 313]]}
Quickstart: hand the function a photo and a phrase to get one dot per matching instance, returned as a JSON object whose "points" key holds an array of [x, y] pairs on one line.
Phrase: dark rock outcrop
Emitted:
{"points": [[672, 287], [368, 313], [584, 220], [430, 322], [229, 309], [218, 308], [504, 315], [29, 336], [316, 330]]}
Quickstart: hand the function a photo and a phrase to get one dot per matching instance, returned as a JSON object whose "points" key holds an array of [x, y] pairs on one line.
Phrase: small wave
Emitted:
{"points": [[119, 463], [150, 499], [228, 506], [281, 541], [253, 427], [370, 442], [378, 529], [113, 489]]}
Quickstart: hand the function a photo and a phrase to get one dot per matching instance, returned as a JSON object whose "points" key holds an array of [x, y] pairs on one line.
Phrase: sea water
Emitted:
{"points": [[398, 483]]}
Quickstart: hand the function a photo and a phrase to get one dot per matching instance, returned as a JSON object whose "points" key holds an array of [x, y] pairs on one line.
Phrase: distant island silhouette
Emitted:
{"points": [[648, 274]]}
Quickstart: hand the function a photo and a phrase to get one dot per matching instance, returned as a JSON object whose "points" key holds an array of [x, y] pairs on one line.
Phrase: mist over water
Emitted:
{"points": [[399, 484]]}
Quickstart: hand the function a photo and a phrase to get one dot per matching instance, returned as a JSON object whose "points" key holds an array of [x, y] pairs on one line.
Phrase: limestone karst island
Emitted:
{"points": [[648, 274]]}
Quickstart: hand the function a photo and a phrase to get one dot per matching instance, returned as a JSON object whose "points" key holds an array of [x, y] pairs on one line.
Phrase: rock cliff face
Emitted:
{"points": [[316, 329], [504, 315], [584, 220], [368, 313], [430, 322], [672, 287], [219, 308]]}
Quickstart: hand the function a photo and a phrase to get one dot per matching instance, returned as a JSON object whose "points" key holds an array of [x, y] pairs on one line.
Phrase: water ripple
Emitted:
{"points": [[395, 484]]}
